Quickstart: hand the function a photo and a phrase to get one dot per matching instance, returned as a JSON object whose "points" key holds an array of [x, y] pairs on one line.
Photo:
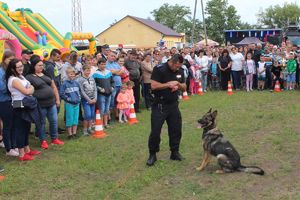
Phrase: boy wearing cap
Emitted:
{"points": [[26, 55]]}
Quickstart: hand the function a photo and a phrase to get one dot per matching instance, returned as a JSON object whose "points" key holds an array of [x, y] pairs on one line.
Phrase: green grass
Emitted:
{"points": [[263, 126]]}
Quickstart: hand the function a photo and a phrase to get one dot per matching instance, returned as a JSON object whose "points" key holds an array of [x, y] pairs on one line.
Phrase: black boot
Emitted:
{"points": [[175, 155], [151, 160]]}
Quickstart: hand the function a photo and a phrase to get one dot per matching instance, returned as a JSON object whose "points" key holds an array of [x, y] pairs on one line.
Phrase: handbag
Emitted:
{"points": [[17, 104]]}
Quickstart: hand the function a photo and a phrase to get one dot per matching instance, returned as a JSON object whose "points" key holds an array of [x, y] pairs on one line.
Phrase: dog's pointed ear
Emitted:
{"points": [[214, 114], [209, 111]]}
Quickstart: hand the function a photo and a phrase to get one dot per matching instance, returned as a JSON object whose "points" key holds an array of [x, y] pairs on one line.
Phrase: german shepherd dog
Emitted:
{"points": [[214, 144]]}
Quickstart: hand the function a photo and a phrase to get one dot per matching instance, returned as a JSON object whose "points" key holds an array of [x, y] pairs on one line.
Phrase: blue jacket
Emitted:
{"points": [[4, 96], [70, 92]]}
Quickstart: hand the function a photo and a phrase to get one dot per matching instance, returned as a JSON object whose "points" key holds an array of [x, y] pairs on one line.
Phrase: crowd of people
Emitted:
{"points": [[31, 89]]}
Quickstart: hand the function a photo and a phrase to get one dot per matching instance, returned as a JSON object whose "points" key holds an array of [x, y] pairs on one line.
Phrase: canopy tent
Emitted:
{"points": [[209, 43], [249, 40]]}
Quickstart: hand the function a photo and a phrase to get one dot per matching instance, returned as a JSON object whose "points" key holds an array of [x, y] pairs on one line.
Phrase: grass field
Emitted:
{"points": [[263, 126]]}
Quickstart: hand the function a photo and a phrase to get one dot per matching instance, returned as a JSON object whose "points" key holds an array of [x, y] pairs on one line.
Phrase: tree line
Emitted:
{"points": [[220, 16]]}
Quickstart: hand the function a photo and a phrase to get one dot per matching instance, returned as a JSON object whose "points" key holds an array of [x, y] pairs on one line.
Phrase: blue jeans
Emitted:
{"points": [[236, 77], [51, 114], [204, 80], [88, 109], [114, 94], [6, 114], [103, 103]]}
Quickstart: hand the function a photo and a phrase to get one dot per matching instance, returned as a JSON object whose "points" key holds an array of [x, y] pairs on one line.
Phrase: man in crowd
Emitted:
{"points": [[26, 55], [116, 70], [134, 68], [105, 51]]}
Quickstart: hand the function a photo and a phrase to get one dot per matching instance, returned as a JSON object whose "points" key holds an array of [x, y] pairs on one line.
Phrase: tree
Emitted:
{"points": [[177, 18], [220, 17], [278, 16]]}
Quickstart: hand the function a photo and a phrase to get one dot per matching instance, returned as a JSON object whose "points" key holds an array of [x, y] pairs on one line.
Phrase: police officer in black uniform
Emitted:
{"points": [[166, 81]]}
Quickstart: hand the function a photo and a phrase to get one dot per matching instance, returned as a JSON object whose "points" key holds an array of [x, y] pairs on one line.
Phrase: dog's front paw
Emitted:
{"points": [[199, 168], [220, 171]]}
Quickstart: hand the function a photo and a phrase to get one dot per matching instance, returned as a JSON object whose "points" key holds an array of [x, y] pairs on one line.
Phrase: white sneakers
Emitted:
{"points": [[12, 152]]}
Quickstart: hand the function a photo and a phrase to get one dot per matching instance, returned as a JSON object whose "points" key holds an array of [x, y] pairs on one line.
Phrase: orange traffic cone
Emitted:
{"points": [[99, 133], [229, 92], [277, 87], [132, 116], [2, 178], [185, 96], [200, 90]]}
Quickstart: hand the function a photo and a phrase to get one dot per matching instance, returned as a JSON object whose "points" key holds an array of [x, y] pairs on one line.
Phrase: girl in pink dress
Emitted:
{"points": [[123, 100]]}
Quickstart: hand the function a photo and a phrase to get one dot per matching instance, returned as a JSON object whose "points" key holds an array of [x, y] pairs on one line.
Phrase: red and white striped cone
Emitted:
{"points": [[99, 132], [132, 116]]}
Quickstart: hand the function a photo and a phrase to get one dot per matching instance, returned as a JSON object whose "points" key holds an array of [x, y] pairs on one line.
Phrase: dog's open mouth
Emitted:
{"points": [[200, 125]]}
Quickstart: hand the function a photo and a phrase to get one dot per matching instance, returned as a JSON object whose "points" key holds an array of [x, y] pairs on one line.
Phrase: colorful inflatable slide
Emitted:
{"points": [[36, 33]]}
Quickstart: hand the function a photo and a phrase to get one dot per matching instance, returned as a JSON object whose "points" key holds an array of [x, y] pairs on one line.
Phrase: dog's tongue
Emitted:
{"points": [[199, 126]]}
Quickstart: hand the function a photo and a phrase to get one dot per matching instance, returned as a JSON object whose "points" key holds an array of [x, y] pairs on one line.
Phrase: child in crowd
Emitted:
{"points": [[261, 73], [276, 73], [130, 85], [214, 72], [125, 74], [249, 70], [70, 93], [291, 69], [192, 71], [89, 93], [123, 105], [104, 82]]}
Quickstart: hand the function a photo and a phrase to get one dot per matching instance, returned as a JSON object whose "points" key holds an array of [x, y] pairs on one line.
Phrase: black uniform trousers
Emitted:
{"points": [[160, 114], [136, 94]]}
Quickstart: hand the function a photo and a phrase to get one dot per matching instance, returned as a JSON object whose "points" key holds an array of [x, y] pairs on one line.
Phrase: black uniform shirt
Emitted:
{"points": [[163, 74]]}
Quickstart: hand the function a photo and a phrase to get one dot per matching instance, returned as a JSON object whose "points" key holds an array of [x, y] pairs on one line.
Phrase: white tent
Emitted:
{"points": [[209, 43]]}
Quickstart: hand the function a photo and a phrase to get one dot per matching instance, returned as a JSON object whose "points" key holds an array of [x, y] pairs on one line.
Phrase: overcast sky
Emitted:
{"points": [[97, 15]]}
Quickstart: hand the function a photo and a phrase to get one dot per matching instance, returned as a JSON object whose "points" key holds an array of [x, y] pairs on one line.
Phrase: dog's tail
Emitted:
{"points": [[251, 169]]}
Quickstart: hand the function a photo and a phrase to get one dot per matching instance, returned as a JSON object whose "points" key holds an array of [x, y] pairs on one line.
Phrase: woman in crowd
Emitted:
{"points": [[147, 68], [6, 109], [224, 66], [47, 96], [202, 61], [19, 88], [236, 67]]}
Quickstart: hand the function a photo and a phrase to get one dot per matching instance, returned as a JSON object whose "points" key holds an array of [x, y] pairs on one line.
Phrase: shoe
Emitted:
{"points": [[85, 133], [70, 137], [33, 152], [12, 152], [1, 169], [57, 141], [2, 144], [44, 144], [107, 126], [76, 136], [61, 129], [26, 157], [120, 121], [175, 155], [90, 131], [151, 160]]}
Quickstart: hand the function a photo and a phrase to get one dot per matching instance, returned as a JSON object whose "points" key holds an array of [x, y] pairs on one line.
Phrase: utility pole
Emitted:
{"points": [[194, 22], [76, 16], [204, 24]]}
